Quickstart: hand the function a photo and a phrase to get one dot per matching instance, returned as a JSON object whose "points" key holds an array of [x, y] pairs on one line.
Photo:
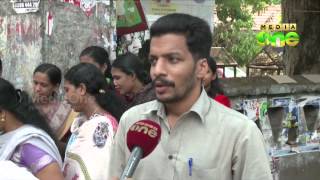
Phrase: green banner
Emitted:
{"points": [[128, 14]]}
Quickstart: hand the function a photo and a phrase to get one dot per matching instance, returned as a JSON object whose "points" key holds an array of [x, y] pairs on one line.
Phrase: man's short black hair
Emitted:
{"points": [[196, 30]]}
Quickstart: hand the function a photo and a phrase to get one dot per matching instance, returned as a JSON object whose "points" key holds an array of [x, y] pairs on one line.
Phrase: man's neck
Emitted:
{"points": [[176, 109]]}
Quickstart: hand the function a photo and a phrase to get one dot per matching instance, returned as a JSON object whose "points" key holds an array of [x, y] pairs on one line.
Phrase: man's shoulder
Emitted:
{"points": [[144, 107], [140, 111], [229, 118], [217, 108]]}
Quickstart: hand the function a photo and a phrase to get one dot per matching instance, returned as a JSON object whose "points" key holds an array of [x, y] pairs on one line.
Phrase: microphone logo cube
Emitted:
{"points": [[144, 134]]}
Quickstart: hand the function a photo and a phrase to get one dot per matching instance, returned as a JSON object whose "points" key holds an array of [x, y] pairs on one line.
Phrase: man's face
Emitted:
{"points": [[173, 69]]}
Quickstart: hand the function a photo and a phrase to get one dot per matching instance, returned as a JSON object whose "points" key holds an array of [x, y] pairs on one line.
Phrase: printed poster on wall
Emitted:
{"points": [[87, 5], [25, 6], [157, 8]]}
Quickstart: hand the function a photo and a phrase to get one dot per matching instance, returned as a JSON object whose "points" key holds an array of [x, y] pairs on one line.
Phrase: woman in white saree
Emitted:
{"points": [[88, 149], [25, 137]]}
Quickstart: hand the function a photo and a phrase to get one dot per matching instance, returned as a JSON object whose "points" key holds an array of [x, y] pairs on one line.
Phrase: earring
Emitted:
{"points": [[2, 117], [2, 122]]}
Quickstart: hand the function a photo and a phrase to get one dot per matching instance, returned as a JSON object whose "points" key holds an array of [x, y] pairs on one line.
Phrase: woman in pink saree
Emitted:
{"points": [[46, 82]]}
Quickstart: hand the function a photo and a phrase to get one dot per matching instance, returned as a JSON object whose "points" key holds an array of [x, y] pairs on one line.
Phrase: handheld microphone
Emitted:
{"points": [[142, 138]]}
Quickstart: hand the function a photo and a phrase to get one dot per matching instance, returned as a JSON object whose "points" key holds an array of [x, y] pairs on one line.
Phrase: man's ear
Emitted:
{"points": [[202, 68], [82, 89], [214, 77], [104, 67], [133, 76]]}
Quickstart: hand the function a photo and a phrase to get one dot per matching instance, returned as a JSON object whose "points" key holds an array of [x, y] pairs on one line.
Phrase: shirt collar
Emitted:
{"points": [[200, 107]]}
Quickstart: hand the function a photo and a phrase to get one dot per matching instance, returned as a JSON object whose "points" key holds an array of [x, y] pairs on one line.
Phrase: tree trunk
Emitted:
{"points": [[305, 58]]}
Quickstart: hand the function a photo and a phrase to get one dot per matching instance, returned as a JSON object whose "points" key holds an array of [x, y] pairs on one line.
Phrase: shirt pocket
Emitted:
{"points": [[204, 174], [199, 173]]}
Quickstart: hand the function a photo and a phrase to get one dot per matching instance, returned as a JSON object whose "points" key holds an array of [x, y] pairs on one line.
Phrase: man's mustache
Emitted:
{"points": [[162, 81]]}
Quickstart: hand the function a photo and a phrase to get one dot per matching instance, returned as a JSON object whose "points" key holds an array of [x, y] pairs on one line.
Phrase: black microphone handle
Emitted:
{"points": [[133, 161]]}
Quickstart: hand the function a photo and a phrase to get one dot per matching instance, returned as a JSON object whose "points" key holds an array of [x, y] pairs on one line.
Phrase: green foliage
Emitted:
{"points": [[239, 40], [235, 32], [244, 44], [245, 47], [276, 1], [231, 10]]}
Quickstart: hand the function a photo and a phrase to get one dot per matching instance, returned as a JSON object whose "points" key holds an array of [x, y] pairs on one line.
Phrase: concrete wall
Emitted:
{"points": [[273, 106]]}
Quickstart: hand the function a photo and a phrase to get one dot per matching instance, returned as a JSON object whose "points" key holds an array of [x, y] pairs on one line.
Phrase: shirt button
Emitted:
{"points": [[170, 157]]}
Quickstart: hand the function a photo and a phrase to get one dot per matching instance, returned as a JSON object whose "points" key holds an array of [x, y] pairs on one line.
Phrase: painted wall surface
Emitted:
{"points": [[21, 43], [56, 33]]}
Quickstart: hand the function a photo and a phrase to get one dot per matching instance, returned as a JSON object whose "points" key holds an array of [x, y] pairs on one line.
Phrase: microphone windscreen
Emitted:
{"points": [[144, 134]]}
